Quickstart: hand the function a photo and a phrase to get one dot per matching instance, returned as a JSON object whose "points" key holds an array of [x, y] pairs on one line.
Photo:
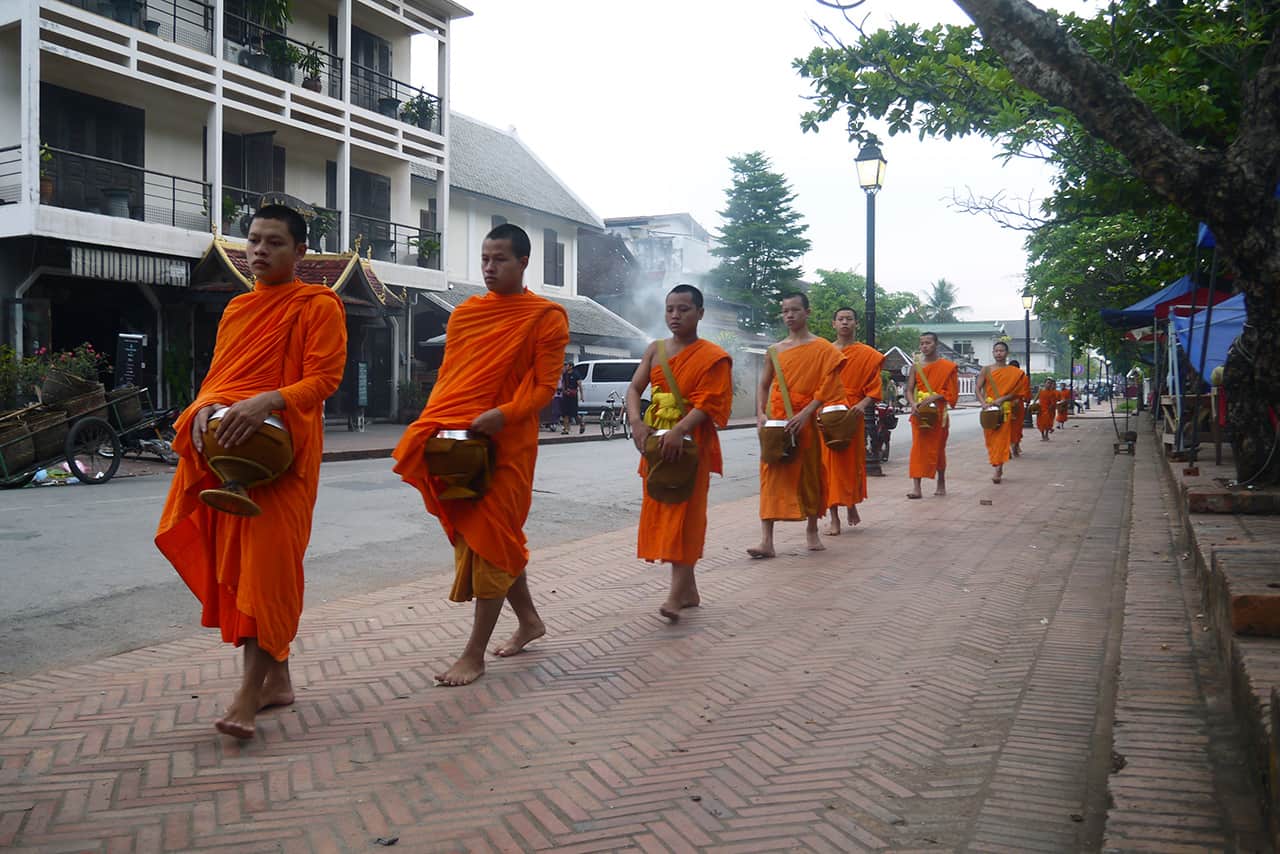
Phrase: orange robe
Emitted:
{"points": [[505, 352], [1023, 393], [1001, 381], [247, 572], [1063, 396], [929, 447], [676, 533], [796, 489], [1048, 401], [846, 469]]}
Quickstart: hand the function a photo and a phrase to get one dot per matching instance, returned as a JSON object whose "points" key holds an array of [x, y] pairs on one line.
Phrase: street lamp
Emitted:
{"points": [[871, 164], [1071, 374], [1027, 301]]}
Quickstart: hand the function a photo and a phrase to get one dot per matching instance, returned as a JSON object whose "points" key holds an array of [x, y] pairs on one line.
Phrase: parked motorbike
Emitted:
{"points": [[154, 440], [881, 430]]}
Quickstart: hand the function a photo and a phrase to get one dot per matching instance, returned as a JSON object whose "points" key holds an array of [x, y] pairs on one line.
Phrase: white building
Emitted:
{"points": [[974, 339], [671, 248], [138, 127]]}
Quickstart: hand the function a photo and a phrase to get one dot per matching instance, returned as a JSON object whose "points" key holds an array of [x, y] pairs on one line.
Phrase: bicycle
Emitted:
{"points": [[613, 417]]}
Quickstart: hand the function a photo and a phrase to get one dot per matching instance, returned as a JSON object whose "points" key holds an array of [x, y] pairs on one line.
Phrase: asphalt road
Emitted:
{"points": [[81, 578]]}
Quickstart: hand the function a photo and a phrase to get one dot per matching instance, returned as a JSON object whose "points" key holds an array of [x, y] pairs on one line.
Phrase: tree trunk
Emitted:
{"points": [[1252, 380]]}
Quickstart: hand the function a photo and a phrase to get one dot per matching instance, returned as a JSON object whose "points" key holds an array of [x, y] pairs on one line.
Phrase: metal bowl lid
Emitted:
{"points": [[775, 423], [835, 407], [270, 420], [455, 434]]}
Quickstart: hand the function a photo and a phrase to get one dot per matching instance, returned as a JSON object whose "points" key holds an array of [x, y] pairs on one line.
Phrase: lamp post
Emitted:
{"points": [[1027, 301], [1088, 375], [871, 164], [1071, 374]]}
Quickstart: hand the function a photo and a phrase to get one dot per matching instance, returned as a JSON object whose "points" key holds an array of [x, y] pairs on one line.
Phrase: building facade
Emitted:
{"points": [[143, 130]]}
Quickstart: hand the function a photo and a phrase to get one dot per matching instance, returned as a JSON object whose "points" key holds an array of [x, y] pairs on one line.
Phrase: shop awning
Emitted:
{"points": [[1158, 305], [1228, 321]]}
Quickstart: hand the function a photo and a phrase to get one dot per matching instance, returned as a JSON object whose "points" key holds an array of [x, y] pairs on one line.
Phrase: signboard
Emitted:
{"points": [[1077, 370], [130, 355], [362, 384]]}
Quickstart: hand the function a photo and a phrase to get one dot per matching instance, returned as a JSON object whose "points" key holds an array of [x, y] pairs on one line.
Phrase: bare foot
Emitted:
{"points": [[522, 637], [237, 721], [815, 543], [670, 609], [276, 696], [913, 495], [854, 518], [833, 528], [463, 672], [940, 491], [761, 552]]}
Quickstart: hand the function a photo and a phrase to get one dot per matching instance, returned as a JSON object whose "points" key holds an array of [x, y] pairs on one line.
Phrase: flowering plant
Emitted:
{"points": [[83, 362]]}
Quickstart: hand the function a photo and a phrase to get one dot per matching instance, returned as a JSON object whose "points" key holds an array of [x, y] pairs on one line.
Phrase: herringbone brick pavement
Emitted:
{"points": [[931, 682]]}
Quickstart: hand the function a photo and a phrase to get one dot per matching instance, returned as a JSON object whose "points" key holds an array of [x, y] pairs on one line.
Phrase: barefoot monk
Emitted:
{"points": [[1021, 398], [502, 357], [846, 468], [998, 385], [933, 387], [280, 352], [699, 403], [808, 369]]}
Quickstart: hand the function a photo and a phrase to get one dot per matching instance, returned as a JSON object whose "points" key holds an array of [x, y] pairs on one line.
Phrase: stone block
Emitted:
{"points": [[1250, 580], [1217, 499]]}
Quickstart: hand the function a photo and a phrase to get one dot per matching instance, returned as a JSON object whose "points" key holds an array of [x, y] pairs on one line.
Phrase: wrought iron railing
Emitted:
{"points": [[395, 99], [185, 22], [10, 175], [395, 242], [86, 183], [324, 231], [270, 52]]}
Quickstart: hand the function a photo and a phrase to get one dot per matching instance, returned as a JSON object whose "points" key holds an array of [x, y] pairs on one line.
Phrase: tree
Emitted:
{"points": [[838, 288], [1146, 108], [939, 304], [761, 240]]}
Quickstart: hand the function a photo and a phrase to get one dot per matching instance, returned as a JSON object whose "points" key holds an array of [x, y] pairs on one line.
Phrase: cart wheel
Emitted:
{"points": [[86, 443], [17, 482]]}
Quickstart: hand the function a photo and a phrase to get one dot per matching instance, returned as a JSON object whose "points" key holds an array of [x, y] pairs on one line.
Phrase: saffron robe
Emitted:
{"points": [[1064, 397], [676, 533], [1048, 401], [247, 572], [505, 352], [999, 382], [929, 447], [796, 489], [846, 469], [1023, 393]]}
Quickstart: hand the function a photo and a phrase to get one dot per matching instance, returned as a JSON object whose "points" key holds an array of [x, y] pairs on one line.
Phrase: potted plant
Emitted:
{"points": [[420, 110], [283, 55], [47, 185], [428, 250], [152, 27], [311, 63], [231, 210], [321, 226], [389, 106]]}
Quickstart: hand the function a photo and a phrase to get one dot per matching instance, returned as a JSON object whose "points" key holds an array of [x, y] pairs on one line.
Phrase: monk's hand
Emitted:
{"points": [[671, 443], [760, 419], [245, 418], [640, 434], [199, 424], [796, 423], [489, 423]]}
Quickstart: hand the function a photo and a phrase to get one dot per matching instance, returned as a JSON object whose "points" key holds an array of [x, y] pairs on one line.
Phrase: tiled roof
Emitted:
{"points": [[586, 317], [335, 271], [497, 164], [984, 327]]}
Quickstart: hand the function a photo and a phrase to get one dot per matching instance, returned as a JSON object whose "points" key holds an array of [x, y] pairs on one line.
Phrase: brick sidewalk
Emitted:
{"points": [[931, 682]]}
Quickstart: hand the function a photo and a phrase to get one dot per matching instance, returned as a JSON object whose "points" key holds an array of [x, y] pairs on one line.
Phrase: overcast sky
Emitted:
{"points": [[637, 106]]}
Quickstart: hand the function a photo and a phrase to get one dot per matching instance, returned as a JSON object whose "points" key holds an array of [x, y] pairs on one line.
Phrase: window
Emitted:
{"points": [[964, 348], [495, 221], [614, 372], [552, 258]]}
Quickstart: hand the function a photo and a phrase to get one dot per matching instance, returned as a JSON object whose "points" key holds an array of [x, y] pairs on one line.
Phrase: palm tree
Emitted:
{"points": [[939, 304]]}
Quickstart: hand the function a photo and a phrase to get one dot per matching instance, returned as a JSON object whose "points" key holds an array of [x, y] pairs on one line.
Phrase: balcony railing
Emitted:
{"points": [[397, 243], [269, 52], [185, 22], [375, 91], [11, 175], [324, 231], [85, 183]]}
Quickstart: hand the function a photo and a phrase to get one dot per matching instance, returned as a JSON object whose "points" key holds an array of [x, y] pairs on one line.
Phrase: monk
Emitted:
{"points": [[846, 469], [933, 380], [1063, 406], [795, 489], [1047, 400], [502, 357], [999, 385], [703, 373], [280, 350], [1020, 400]]}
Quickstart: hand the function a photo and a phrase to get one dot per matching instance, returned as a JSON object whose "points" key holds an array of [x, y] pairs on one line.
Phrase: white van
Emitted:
{"points": [[598, 378]]}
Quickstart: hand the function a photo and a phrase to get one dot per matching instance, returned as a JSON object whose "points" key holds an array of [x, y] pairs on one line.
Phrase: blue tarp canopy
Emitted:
{"points": [[1228, 321], [1181, 292]]}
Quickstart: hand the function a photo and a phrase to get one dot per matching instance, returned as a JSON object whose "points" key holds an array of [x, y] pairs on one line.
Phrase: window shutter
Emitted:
{"points": [[560, 264], [495, 221], [549, 255]]}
